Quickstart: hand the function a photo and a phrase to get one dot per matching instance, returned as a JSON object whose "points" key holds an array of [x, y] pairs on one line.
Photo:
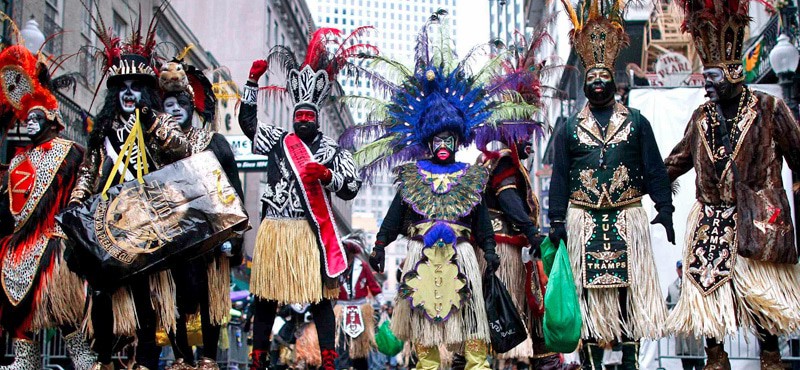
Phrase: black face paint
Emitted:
{"points": [[599, 87], [524, 149], [37, 125], [443, 147], [305, 123], [717, 87]]}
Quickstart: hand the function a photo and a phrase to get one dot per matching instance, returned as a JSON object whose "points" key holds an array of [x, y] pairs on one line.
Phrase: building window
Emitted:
{"points": [[269, 20], [53, 18], [120, 26]]}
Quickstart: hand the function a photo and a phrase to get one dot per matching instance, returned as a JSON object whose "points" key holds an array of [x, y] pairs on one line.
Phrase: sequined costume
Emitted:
{"points": [[140, 307], [298, 256], [606, 161], [39, 290]]}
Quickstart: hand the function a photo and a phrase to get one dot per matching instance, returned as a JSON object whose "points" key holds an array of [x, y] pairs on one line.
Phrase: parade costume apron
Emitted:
{"points": [[440, 298]]}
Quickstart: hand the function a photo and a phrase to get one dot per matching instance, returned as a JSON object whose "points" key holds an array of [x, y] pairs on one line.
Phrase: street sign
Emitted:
{"points": [[246, 161]]}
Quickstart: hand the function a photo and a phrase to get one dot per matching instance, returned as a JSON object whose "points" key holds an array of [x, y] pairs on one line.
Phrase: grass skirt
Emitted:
{"points": [[359, 346], [600, 308], [162, 298], [60, 295], [759, 294], [287, 266], [307, 347], [470, 323], [512, 273]]}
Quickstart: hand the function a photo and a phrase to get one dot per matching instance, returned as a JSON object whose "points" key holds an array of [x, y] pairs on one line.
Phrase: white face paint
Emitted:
{"points": [[174, 108], [129, 95], [35, 121]]}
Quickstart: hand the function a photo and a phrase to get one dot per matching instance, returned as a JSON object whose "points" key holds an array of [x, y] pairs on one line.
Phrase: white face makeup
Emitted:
{"points": [[175, 109], [35, 122], [129, 95]]}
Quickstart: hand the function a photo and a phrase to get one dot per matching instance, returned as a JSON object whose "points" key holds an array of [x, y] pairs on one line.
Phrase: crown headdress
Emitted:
{"points": [[718, 30], [328, 54], [598, 35], [441, 93]]}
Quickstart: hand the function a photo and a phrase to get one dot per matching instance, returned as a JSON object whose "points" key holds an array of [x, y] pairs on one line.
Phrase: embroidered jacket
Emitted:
{"points": [[282, 196], [164, 141], [604, 166], [765, 136]]}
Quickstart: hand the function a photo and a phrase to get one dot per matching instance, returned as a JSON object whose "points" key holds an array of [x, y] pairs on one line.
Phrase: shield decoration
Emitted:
{"points": [[353, 323]]}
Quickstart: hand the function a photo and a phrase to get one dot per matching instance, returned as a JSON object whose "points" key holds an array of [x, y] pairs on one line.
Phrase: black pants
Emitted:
{"points": [[191, 284], [147, 352], [264, 315], [693, 363]]}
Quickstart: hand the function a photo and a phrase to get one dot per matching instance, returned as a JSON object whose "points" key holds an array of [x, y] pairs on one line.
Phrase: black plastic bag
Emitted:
{"points": [[505, 325], [177, 213]]}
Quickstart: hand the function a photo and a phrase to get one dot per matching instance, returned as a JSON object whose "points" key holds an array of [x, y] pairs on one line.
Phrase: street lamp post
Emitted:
{"points": [[32, 36], [784, 58]]}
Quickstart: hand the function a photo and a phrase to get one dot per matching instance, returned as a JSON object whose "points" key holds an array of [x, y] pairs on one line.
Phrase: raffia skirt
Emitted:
{"points": [[759, 293], [470, 323], [512, 273], [600, 307], [359, 346], [287, 265], [58, 296]]}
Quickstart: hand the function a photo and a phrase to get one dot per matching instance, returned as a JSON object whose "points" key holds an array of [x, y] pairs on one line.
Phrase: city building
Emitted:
{"points": [[67, 26], [397, 24], [507, 18], [239, 32]]}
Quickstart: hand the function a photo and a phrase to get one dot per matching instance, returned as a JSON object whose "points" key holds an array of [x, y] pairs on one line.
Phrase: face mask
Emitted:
{"points": [[36, 124], [305, 124], [717, 86], [130, 95], [443, 147], [181, 109], [599, 87]]}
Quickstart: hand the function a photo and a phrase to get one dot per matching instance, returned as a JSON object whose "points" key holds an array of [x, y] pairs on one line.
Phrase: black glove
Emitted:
{"points": [[558, 232], [492, 261], [146, 117], [665, 219], [377, 258], [237, 252], [535, 242]]}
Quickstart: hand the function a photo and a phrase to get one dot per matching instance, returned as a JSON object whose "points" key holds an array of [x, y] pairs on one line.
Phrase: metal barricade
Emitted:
{"points": [[743, 347]]}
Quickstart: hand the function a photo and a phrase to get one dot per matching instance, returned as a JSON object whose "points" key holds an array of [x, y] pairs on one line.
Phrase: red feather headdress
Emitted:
{"points": [[20, 88]]}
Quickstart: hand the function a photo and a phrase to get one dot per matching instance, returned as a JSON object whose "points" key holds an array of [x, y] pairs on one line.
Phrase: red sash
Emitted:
{"points": [[319, 206]]}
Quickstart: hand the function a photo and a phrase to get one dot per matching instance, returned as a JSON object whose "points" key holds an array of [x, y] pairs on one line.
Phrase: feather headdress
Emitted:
{"points": [[129, 58], [439, 93], [328, 54], [718, 29], [598, 35], [21, 87]]}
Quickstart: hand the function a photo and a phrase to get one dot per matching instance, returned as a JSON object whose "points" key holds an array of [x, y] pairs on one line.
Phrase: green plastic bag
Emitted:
{"points": [[387, 343], [562, 311], [548, 254]]}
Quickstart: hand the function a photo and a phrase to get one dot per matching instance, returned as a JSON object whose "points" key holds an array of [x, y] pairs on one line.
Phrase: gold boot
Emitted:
{"points": [[717, 358], [428, 358], [475, 352], [771, 360]]}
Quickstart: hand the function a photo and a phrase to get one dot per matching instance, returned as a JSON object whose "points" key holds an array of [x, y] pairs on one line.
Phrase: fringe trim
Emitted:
{"points": [[600, 308], [61, 296], [162, 297], [124, 312], [287, 263], [360, 346], [307, 347], [470, 323], [512, 273], [760, 293], [219, 290]]}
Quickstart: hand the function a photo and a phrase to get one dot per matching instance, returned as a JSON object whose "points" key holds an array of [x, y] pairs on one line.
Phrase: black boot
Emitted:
{"points": [[591, 357], [630, 356]]}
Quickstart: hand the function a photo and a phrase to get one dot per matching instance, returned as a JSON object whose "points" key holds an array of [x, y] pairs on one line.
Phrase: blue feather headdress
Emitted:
{"points": [[441, 93]]}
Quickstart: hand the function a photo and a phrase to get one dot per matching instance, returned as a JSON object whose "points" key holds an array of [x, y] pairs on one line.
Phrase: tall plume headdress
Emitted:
{"points": [[329, 53], [718, 30], [599, 34], [439, 93], [21, 87]]}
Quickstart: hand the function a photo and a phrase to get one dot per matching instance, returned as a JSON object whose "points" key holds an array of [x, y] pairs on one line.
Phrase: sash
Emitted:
{"points": [[318, 206], [606, 252]]}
